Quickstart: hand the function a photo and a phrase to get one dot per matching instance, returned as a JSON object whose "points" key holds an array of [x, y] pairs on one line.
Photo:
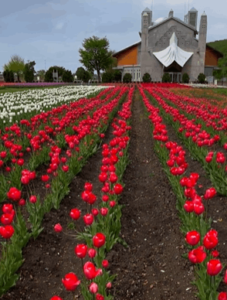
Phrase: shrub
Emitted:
{"points": [[117, 75], [107, 77], [146, 77], [185, 78], [201, 78], [127, 78], [166, 77]]}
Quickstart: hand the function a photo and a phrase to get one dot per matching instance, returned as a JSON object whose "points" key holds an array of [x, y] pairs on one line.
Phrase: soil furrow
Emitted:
{"points": [[151, 267]]}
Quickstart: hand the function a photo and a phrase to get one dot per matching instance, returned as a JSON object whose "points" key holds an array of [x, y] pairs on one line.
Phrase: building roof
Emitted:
{"points": [[132, 45], [193, 9], [174, 18], [218, 52], [146, 9]]}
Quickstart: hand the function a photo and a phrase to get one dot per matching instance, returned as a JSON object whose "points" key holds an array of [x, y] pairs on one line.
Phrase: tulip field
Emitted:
{"points": [[113, 192]]}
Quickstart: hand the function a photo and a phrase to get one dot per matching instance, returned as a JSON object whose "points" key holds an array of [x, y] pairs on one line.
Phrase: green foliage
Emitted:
{"points": [[127, 78], [16, 65], [29, 71], [107, 77], [117, 75], [166, 77], [8, 76], [82, 74], [67, 76], [146, 77], [49, 73], [220, 45], [95, 55], [201, 78], [185, 78], [41, 74]]}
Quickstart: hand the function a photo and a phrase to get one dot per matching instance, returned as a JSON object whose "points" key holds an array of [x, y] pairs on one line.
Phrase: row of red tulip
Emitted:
{"points": [[205, 255], [90, 131], [100, 223]]}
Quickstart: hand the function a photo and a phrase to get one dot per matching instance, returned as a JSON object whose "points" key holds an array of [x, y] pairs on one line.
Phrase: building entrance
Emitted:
{"points": [[175, 76]]}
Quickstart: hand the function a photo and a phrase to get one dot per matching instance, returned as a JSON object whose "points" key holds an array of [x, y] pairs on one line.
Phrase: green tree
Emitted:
{"points": [[127, 78], [8, 76], [67, 76], [146, 77], [29, 71], [83, 74], [49, 73], [201, 78], [95, 55], [107, 77], [41, 74], [16, 65], [166, 77], [117, 75], [185, 78]]}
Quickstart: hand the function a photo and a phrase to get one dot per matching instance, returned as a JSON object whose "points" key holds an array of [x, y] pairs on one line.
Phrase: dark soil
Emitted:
{"points": [[151, 267]]}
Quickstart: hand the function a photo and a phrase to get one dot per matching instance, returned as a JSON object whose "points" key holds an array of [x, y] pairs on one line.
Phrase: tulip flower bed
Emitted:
{"points": [[148, 238], [85, 144], [23, 105]]}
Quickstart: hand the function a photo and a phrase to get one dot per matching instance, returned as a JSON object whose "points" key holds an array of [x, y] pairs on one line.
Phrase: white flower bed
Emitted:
{"points": [[23, 103]]}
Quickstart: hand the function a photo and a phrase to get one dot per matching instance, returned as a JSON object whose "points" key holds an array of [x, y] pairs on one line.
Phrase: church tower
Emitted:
{"points": [[202, 40]]}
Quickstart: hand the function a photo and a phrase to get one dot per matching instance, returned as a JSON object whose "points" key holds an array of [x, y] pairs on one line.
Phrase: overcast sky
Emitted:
{"points": [[53, 31]]}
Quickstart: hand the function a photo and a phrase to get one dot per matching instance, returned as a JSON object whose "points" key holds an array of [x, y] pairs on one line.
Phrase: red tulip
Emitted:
{"points": [[222, 296], [91, 198], [192, 237], [105, 198], [81, 250], [210, 240], [214, 266], [14, 194], [6, 231], [103, 211], [113, 178], [91, 253], [75, 214], [109, 285], [33, 199], [58, 227], [70, 281], [215, 253], [112, 203], [225, 277], [99, 297], [45, 178], [88, 219], [197, 256], [93, 288], [88, 186], [102, 177], [118, 188], [99, 240], [25, 179], [20, 162], [90, 271], [198, 207], [7, 219], [189, 206], [95, 211], [7, 208], [21, 202], [105, 263], [210, 193], [65, 168], [56, 298]]}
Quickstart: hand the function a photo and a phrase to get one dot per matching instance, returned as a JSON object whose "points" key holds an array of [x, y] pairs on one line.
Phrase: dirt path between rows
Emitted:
{"points": [[152, 267]]}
